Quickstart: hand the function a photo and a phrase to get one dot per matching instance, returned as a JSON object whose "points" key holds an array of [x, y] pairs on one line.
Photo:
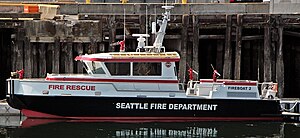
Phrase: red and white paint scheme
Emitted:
{"points": [[140, 85]]}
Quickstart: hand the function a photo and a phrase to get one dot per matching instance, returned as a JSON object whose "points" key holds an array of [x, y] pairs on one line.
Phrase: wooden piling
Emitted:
{"points": [[14, 51], [49, 57], [267, 52], [142, 20], [183, 51], [279, 59], [20, 37], [56, 55], [28, 59], [69, 56], [112, 32], [196, 29], [79, 50], [227, 67], [34, 60], [42, 60], [93, 47], [238, 47]]}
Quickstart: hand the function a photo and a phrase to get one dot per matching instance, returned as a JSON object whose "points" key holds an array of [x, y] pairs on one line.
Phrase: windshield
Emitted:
{"points": [[95, 67]]}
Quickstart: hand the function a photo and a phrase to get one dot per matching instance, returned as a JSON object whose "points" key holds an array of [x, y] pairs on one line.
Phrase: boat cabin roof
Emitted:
{"points": [[131, 57]]}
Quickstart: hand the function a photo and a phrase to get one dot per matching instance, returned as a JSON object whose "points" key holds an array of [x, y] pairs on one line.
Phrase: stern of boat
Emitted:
{"points": [[11, 98]]}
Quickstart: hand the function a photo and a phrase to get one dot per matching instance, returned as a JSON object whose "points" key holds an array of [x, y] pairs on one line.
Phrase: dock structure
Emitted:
{"points": [[242, 41], [6, 110], [291, 108]]}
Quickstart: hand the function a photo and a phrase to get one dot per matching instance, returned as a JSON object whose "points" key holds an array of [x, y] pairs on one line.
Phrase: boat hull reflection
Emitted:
{"points": [[81, 128]]}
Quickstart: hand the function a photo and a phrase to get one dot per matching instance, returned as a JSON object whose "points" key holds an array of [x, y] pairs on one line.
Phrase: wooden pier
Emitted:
{"points": [[250, 44]]}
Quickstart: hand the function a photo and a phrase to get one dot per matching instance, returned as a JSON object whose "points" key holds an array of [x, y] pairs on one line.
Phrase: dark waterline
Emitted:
{"points": [[30, 128]]}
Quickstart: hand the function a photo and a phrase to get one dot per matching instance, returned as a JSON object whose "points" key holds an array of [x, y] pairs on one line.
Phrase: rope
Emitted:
{"points": [[292, 108]]}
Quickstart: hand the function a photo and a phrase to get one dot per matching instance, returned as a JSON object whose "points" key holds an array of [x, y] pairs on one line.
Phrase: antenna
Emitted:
{"points": [[124, 24], [212, 66], [146, 24], [163, 25]]}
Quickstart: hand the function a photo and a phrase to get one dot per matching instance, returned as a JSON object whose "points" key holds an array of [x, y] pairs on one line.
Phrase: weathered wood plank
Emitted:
{"points": [[183, 52], [79, 50], [69, 68], [195, 53], [42, 60], [267, 54], [227, 67], [28, 65], [211, 37], [254, 37], [290, 33], [14, 52], [34, 60], [20, 15], [100, 29], [20, 49], [93, 45], [238, 47], [273, 53], [49, 57], [56, 55], [279, 62], [142, 20], [63, 65], [112, 32]]}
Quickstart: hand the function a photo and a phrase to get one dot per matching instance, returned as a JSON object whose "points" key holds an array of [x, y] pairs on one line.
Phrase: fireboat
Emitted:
{"points": [[141, 85]]}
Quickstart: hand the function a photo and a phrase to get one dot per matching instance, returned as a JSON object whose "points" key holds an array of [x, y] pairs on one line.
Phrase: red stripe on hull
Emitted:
{"points": [[35, 122], [111, 80], [34, 114], [231, 82], [128, 59]]}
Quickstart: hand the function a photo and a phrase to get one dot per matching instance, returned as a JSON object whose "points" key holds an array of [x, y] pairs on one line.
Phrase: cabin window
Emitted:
{"points": [[97, 68], [147, 69], [118, 68], [94, 67]]}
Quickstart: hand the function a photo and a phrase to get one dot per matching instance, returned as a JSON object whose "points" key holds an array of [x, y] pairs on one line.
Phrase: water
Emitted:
{"points": [[16, 127]]}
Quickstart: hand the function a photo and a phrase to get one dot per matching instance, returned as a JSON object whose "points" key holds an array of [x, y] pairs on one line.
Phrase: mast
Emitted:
{"points": [[157, 45], [162, 30]]}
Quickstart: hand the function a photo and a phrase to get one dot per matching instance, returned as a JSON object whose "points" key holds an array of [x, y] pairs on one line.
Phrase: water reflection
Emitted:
{"points": [[70, 128]]}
